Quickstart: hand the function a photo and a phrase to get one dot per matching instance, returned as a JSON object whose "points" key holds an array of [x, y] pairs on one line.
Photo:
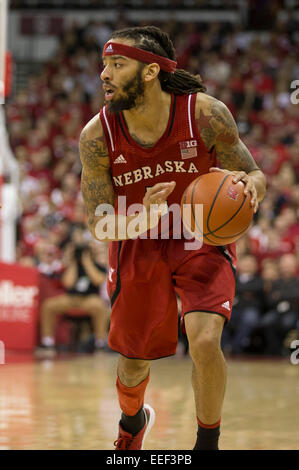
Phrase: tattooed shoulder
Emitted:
{"points": [[214, 121], [92, 146], [219, 130]]}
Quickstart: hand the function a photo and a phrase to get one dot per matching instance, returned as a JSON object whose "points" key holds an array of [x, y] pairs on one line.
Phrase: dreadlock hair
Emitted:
{"points": [[153, 39]]}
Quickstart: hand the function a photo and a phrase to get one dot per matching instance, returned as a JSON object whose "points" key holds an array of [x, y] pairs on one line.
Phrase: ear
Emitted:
{"points": [[151, 71]]}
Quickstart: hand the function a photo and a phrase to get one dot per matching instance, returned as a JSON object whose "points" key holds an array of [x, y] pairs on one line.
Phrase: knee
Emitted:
{"points": [[132, 369], [95, 306], [204, 347], [204, 335], [49, 305]]}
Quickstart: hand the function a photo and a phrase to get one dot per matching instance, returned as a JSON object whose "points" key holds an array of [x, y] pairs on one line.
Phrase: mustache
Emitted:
{"points": [[108, 84]]}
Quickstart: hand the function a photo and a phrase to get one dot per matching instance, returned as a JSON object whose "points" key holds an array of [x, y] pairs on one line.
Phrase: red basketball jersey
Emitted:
{"points": [[179, 155]]}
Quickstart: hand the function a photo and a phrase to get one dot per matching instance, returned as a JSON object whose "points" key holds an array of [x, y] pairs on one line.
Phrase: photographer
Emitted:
{"points": [[81, 279]]}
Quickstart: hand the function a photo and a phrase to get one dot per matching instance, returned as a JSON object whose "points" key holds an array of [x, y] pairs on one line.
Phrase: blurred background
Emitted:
{"points": [[247, 53]]}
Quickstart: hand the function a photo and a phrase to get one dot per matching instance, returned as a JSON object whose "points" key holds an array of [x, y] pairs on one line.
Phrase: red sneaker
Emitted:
{"points": [[127, 441]]}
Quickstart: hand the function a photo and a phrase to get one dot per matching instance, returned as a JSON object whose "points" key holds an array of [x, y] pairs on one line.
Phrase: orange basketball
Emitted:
{"points": [[227, 212]]}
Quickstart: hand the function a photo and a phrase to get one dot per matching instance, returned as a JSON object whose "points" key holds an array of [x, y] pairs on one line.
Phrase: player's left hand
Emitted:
{"points": [[248, 183]]}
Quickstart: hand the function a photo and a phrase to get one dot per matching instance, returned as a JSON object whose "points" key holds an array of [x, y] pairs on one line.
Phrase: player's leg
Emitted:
{"points": [[143, 326], [208, 376], [132, 379], [205, 282], [136, 419]]}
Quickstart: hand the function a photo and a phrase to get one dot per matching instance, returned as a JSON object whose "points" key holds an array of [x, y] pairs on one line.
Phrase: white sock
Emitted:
{"points": [[100, 343], [48, 341]]}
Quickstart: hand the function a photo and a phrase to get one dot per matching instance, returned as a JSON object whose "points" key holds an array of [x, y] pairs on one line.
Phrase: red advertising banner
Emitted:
{"points": [[19, 296]]}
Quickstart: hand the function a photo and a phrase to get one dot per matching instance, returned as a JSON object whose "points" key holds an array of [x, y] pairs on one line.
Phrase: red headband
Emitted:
{"points": [[113, 48]]}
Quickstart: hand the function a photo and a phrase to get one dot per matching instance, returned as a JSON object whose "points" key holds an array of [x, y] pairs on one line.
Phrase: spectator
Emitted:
{"points": [[81, 279], [48, 259], [247, 308], [100, 31], [282, 303], [269, 274]]}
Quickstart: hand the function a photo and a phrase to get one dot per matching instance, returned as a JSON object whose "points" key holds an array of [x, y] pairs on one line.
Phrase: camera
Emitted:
{"points": [[79, 249]]}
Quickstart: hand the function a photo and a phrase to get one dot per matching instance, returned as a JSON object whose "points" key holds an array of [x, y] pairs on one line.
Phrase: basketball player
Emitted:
{"points": [[138, 147]]}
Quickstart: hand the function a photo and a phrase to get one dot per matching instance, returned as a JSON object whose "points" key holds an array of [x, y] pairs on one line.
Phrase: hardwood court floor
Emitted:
{"points": [[72, 404]]}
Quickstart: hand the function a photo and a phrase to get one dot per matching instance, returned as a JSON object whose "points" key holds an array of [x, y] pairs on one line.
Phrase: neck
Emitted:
{"points": [[152, 112]]}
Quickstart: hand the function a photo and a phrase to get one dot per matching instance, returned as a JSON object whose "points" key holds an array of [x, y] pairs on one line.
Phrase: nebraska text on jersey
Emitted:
{"points": [[146, 172]]}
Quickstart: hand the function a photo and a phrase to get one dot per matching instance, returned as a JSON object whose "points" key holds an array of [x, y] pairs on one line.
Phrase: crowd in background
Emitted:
{"points": [[252, 75]]}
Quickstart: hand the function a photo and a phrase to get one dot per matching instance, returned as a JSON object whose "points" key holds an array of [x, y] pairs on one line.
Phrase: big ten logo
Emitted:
{"points": [[295, 354], [295, 94], [2, 353], [191, 143]]}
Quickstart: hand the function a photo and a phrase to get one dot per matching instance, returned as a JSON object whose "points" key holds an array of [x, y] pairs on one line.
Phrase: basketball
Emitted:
{"points": [[227, 212]]}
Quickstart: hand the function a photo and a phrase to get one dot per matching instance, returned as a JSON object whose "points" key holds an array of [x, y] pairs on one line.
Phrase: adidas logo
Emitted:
{"points": [[226, 305], [109, 48], [120, 159]]}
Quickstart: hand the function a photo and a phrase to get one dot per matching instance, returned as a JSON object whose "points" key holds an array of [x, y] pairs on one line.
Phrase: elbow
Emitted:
{"points": [[95, 233], [92, 231], [102, 230], [91, 226], [98, 236]]}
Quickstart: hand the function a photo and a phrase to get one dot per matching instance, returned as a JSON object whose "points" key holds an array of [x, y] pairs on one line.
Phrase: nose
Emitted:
{"points": [[106, 74]]}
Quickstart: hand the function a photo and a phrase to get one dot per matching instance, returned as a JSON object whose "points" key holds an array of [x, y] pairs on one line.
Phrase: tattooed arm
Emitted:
{"points": [[218, 129], [96, 186]]}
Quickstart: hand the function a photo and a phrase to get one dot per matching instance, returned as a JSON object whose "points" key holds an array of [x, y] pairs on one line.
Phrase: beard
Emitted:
{"points": [[133, 90]]}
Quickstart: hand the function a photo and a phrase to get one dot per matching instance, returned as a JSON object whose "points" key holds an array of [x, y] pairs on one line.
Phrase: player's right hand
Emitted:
{"points": [[158, 194]]}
